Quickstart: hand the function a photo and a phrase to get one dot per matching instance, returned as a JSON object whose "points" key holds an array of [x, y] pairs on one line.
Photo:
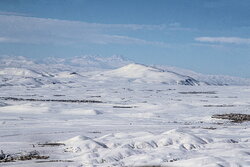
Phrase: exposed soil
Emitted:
{"points": [[51, 100], [123, 106], [194, 92], [21, 156], [238, 118], [51, 144], [54, 161], [219, 105]]}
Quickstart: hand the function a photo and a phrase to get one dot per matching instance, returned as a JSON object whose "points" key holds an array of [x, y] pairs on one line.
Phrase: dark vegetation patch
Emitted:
{"points": [[50, 144], [209, 128], [232, 141], [51, 100], [237, 118], [27, 95], [232, 97], [212, 97], [73, 73], [176, 99], [95, 96], [219, 105], [218, 123], [124, 106], [21, 156], [194, 92], [204, 100], [148, 90], [54, 161], [95, 132]]}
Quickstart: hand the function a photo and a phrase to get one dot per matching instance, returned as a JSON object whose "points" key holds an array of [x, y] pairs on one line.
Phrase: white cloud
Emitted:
{"points": [[106, 39], [230, 40], [53, 31], [175, 24], [8, 40]]}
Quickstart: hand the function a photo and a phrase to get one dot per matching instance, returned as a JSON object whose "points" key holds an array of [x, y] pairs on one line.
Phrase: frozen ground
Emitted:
{"points": [[115, 118]]}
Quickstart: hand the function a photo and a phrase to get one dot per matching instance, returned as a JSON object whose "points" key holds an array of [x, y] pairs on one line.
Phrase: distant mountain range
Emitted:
{"points": [[20, 71]]}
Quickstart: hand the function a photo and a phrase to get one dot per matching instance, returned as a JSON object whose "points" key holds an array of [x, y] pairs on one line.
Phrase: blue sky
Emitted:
{"points": [[207, 36]]}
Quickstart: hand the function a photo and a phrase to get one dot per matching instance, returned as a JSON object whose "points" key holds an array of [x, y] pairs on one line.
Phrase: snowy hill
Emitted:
{"points": [[145, 74], [88, 63], [219, 80], [23, 71]]}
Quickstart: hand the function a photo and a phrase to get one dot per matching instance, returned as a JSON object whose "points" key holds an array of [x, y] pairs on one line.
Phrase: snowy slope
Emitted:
{"points": [[87, 63], [138, 124], [24, 77], [145, 74], [21, 71], [209, 79], [133, 115]]}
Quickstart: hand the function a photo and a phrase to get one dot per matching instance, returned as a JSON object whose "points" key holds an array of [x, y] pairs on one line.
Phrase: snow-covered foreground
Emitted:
{"points": [[136, 125], [132, 116]]}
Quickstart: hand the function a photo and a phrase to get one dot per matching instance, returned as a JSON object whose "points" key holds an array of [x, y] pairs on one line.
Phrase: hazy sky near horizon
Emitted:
{"points": [[207, 36]]}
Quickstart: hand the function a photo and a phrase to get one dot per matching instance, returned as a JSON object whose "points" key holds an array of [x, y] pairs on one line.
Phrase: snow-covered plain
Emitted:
{"points": [[136, 115]]}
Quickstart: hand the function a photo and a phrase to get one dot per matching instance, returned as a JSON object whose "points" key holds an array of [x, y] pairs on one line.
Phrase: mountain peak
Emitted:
{"points": [[114, 67], [146, 74]]}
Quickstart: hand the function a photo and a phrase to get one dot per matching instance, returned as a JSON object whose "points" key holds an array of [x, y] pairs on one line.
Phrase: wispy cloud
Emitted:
{"points": [[229, 40], [210, 45], [176, 26], [106, 39], [8, 40], [53, 31]]}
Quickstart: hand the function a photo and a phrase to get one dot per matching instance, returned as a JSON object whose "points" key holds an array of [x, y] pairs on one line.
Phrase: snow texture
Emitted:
{"points": [[87, 112]]}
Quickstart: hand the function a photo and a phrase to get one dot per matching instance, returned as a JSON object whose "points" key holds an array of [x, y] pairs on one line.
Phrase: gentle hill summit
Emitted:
{"points": [[146, 74], [23, 71]]}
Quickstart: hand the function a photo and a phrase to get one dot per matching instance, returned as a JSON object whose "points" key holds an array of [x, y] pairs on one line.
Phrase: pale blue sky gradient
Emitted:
{"points": [[207, 36]]}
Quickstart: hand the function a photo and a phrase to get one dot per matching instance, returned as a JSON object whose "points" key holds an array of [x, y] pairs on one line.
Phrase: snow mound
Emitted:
{"points": [[16, 80], [27, 108], [183, 140], [145, 74], [83, 143], [19, 72], [219, 80], [56, 70], [133, 148], [80, 111]]}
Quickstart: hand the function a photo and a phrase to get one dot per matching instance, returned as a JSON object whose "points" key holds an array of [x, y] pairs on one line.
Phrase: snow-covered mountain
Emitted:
{"points": [[88, 63], [209, 79], [146, 74], [16, 71]]}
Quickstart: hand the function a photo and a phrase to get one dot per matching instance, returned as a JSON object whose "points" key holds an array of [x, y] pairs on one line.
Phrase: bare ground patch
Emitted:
{"points": [[234, 117], [23, 156], [50, 100]]}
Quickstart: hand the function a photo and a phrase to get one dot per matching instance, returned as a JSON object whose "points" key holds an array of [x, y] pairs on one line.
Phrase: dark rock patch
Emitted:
{"points": [[24, 156], [51, 100], [237, 118], [194, 92], [50, 144], [124, 106], [219, 105]]}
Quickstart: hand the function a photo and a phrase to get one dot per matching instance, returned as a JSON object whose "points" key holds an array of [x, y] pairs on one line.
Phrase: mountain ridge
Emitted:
{"points": [[13, 69]]}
